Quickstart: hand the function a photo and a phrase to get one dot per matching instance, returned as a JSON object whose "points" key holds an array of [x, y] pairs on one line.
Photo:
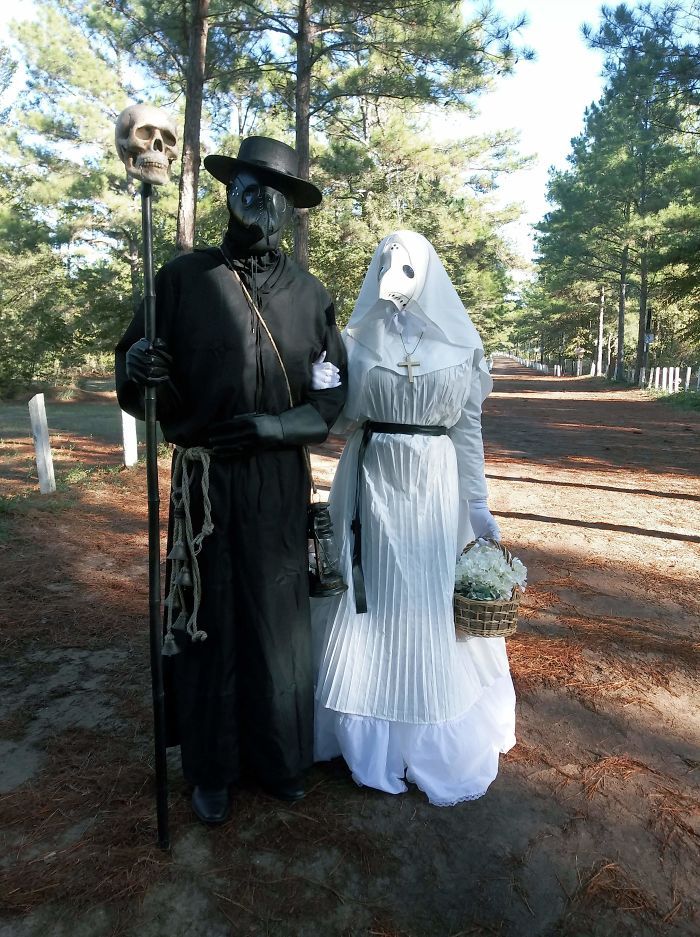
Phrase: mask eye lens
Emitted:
{"points": [[408, 271], [250, 195], [279, 201]]}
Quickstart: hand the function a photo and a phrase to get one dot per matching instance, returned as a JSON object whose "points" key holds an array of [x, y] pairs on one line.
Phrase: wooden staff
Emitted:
{"points": [[154, 620], [146, 140]]}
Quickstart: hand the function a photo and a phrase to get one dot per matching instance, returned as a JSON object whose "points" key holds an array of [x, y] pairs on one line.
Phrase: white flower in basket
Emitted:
{"points": [[488, 584], [484, 573]]}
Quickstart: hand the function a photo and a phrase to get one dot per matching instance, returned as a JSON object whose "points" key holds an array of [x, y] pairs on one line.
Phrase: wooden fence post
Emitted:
{"points": [[688, 372], [131, 454], [676, 379], [664, 379], [42, 445]]}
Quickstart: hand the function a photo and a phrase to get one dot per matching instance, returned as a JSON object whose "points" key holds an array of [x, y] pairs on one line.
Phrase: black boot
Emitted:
{"points": [[211, 805]]}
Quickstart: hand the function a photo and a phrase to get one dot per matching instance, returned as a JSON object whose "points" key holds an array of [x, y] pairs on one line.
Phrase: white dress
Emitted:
{"points": [[397, 695]]}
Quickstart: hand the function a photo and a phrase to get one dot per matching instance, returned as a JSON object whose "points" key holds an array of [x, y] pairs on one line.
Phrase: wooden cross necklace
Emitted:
{"points": [[408, 362]]}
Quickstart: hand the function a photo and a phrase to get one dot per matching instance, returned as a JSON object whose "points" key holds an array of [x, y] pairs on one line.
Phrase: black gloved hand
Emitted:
{"points": [[248, 432], [251, 432], [148, 365]]}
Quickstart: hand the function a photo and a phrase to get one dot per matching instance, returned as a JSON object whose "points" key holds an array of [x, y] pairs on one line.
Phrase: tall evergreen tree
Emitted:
{"points": [[628, 179]]}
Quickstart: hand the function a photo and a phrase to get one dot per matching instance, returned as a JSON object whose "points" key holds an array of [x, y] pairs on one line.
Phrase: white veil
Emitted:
{"points": [[449, 336]]}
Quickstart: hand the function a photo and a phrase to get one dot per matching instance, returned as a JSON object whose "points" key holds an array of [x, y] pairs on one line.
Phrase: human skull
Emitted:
{"points": [[146, 140]]}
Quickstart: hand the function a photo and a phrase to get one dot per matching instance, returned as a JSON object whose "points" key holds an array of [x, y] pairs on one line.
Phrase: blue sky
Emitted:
{"points": [[544, 100]]}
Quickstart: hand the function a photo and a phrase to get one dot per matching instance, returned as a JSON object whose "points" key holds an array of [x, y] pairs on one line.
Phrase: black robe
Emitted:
{"points": [[242, 700]]}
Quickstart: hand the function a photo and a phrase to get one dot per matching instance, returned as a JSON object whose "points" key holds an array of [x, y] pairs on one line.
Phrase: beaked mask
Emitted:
{"points": [[259, 214], [401, 275]]}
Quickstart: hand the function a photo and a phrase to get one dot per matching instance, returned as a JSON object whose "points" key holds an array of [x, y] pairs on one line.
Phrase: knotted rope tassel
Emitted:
{"points": [[183, 532]]}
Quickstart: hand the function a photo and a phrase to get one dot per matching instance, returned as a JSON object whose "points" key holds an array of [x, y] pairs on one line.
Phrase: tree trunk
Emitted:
{"points": [[643, 301], [621, 309], [303, 117], [189, 179], [601, 318]]}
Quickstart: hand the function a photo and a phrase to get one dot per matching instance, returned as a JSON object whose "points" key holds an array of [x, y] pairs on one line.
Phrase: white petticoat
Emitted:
{"points": [[450, 761]]}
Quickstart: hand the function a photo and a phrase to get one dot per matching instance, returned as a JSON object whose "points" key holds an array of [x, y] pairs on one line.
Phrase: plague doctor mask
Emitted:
{"points": [[401, 275], [262, 189], [258, 213]]}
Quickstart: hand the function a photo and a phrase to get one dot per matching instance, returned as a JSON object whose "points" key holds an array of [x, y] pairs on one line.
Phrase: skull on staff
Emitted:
{"points": [[146, 140]]}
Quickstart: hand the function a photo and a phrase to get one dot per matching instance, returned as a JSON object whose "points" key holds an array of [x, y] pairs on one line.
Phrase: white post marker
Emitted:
{"points": [[131, 453], [676, 380], [657, 372], [688, 372], [42, 445], [642, 376]]}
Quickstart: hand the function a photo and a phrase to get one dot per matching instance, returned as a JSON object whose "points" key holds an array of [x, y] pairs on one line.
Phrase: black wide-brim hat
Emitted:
{"points": [[274, 164]]}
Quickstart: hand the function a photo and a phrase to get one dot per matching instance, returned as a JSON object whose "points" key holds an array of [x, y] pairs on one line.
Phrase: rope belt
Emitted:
{"points": [[369, 428], [184, 536]]}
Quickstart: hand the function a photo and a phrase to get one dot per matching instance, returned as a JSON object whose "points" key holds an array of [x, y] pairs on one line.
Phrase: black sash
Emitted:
{"points": [[369, 428]]}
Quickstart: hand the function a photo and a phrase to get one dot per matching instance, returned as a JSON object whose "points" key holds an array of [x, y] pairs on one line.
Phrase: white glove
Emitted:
{"points": [[324, 375], [483, 522]]}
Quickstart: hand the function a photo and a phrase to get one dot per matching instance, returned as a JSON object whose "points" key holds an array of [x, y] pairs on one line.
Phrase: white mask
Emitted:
{"points": [[401, 275], [390, 300]]}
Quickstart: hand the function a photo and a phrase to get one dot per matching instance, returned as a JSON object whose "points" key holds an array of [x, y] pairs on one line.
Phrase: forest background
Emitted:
{"points": [[357, 89]]}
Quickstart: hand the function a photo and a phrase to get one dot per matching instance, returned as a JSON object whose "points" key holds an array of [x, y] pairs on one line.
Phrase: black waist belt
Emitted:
{"points": [[371, 427]]}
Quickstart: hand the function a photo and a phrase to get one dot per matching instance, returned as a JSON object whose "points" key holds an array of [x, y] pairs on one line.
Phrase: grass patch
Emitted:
{"points": [[68, 393], [77, 475], [82, 475], [69, 418], [683, 400]]}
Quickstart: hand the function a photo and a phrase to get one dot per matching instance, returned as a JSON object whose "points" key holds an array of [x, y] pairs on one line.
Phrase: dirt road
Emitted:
{"points": [[592, 827]]}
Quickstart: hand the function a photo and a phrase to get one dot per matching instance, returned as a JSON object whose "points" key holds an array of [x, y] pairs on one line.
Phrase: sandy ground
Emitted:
{"points": [[592, 826]]}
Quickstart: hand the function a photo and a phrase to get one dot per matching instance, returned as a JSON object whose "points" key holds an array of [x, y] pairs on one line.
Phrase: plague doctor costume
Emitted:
{"points": [[238, 677], [397, 695]]}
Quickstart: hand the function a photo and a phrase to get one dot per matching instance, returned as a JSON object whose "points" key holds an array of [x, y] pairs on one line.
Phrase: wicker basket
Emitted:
{"points": [[495, 619]]}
